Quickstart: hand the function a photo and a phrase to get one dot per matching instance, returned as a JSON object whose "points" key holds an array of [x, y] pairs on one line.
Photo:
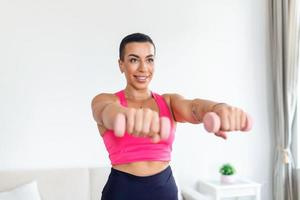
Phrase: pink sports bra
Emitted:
{"points": [[130, 148]]}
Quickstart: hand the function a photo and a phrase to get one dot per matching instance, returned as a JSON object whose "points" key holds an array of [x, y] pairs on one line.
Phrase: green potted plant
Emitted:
{"points": [[227, 173]]}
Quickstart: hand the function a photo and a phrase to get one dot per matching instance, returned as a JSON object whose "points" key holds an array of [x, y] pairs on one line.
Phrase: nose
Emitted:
{"points": [[143, 66]]}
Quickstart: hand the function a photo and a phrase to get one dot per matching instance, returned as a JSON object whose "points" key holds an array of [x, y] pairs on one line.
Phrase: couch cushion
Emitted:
{"points": [[54, 184], [27, 191]]}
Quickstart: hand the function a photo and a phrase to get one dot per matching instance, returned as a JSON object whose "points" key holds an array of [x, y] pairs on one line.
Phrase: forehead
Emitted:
{"points": [[139, 48]]}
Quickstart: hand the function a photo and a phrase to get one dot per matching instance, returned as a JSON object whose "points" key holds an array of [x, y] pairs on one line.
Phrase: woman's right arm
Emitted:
{"points": [[105, 107]]}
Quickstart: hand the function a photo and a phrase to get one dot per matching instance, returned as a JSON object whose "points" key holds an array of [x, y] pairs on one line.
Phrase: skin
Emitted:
{"points": [[138, 66]]}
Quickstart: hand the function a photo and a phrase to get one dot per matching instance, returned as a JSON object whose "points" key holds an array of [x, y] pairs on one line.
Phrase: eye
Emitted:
{"points": [[150, 60], [133, 60]]}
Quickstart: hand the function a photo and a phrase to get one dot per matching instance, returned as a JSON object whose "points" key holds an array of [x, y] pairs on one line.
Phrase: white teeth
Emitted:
{"points": [[141, 78]]}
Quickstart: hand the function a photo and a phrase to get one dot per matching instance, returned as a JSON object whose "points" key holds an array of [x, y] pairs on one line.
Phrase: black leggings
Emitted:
{"points": [[124, 186]]}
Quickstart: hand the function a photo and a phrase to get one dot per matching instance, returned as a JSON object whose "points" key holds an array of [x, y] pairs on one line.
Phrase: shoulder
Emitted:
{"points": [[171, 97], [104, 97]]}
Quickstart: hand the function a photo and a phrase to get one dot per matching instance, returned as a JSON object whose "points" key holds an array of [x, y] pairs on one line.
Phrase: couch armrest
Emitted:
{"points": [[189, 193]]}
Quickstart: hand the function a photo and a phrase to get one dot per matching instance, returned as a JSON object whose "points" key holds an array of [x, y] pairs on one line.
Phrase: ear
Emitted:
{"points": [[121, 66]]}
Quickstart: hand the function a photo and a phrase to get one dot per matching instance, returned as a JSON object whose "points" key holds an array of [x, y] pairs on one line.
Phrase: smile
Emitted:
{"points": [[141, 78]]}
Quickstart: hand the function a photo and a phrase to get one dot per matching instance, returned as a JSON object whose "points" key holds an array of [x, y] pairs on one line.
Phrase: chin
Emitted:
{"points": [[140, 86]]}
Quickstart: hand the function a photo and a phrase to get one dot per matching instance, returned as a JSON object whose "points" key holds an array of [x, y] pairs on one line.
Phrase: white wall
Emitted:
{"points": [[56, 55]]}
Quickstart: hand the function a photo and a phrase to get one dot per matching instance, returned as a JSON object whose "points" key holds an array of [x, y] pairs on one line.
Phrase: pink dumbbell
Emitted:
{"points": [[165, 127], [120, 126], [212, 123]]}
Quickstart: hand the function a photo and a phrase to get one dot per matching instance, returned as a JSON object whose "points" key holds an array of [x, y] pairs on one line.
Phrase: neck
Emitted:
{"points": [[134, 94]]}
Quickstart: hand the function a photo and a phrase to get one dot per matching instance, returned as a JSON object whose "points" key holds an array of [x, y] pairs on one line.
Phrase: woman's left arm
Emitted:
{"points": [[193, 111]]}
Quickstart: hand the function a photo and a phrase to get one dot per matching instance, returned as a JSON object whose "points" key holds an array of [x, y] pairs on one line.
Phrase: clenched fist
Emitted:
{"points": [[227, 118], [142, 122]]}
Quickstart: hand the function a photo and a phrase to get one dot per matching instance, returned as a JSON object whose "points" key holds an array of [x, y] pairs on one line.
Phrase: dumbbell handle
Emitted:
{"points": [[212, 123]]}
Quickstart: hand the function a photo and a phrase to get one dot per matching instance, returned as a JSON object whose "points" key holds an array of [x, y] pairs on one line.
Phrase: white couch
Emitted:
{"points": [[71, 184]]}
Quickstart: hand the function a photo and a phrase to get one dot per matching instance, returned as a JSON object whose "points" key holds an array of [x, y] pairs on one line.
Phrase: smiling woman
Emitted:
{"points": [[138, 126]]}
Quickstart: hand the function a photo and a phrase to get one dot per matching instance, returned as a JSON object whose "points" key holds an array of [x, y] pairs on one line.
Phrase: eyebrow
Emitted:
{"points": [[134, 55]]}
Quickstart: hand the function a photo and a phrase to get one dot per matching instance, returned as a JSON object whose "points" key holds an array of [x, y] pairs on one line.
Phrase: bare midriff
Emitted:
{"points": [[142, 168]]}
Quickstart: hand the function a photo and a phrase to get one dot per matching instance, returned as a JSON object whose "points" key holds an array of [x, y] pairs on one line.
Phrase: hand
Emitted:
{"points": [[227, 118], [142, 123]]}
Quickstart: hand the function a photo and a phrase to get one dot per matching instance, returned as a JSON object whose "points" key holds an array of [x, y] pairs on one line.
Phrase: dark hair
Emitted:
{"points": [[134, 37]]}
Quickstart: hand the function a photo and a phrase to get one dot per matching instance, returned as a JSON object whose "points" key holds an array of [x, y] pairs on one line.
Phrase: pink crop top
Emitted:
{"points": [[130, 148]]}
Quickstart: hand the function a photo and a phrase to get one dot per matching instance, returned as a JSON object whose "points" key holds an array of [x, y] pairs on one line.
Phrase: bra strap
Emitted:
{"points": [[122, 98]]}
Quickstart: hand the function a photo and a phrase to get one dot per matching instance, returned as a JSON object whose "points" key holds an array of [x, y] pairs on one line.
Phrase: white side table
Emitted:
{"points": [[241, 188]]}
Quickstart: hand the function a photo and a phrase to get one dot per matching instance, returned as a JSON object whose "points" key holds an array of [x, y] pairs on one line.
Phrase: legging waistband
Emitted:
{"points": [[166, 172]]}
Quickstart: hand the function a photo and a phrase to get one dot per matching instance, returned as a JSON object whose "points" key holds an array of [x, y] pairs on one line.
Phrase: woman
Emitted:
{"points": [[140, 157]]}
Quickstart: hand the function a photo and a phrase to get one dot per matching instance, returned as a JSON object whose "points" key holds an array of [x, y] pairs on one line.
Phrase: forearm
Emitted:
{"points": [[191, 111], [199, 107], [109, 113], [105, 111]]}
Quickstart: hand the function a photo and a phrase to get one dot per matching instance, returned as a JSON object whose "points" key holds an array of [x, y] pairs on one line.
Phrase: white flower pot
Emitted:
{"points": [[228, 179]]}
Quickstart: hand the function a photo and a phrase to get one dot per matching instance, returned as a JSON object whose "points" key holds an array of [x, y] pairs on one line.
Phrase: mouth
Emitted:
{"points": [[141, 79]]}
